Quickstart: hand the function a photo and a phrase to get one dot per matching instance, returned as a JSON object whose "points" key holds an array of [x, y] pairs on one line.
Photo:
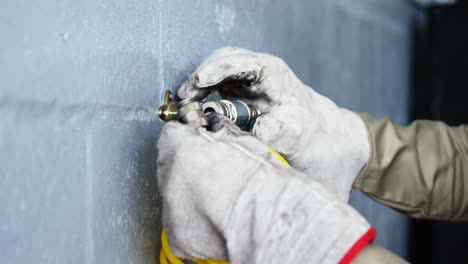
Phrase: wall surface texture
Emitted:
{"points": [[80, 82]]}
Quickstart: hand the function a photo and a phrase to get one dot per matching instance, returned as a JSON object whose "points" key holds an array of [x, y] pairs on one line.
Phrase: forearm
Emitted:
{"points": [[375, 254], [421, 170]]}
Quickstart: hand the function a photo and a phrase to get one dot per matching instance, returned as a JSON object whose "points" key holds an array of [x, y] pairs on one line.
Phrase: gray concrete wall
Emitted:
{"points": [[80, 82]]}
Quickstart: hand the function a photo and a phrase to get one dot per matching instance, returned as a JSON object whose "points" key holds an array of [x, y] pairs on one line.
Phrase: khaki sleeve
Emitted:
{"points": [[420, 170]]}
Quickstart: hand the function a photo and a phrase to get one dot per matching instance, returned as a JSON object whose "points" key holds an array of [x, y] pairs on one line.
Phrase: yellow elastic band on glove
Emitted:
{"points": [[283, 160], [167, 257]]}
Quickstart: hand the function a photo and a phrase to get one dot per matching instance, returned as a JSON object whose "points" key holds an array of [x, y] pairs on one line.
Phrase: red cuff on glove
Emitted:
{"points": [[367, 238]]}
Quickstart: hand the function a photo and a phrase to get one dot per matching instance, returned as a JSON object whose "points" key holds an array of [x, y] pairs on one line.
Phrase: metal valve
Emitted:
{"points": [[242, 114], [192, 112]]}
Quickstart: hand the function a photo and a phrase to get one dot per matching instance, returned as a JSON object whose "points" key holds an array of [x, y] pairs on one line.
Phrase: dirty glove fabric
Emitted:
{"points": [[226, 197], [420, 170], [317, 137]]}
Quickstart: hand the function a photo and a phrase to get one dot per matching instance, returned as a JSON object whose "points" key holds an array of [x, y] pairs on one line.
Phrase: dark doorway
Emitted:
{"points": [[440, 92]]}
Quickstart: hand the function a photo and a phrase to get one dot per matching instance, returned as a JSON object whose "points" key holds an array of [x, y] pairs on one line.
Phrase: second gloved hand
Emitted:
{"points": [[317, 137], [226, 197]]}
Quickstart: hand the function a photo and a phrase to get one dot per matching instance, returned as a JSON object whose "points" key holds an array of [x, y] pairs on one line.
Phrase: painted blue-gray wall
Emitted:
{"points": [[80, 82]]}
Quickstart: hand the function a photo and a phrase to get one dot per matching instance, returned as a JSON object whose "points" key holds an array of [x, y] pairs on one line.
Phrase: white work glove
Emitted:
{"points": [[226, 197], [316, 136]]}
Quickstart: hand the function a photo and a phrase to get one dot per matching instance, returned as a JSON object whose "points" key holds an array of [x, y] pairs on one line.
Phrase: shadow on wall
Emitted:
{"points": [[141, 194], [124, 141], [79, 182], [121, 135], [147, 205], [129, 139]]}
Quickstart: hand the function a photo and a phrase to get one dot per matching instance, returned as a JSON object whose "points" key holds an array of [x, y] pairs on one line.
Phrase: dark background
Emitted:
{"points": [[440, 92]]}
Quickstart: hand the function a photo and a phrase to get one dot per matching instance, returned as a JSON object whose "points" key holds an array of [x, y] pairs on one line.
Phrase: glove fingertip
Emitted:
{"points": [[189, 90], [223, 125], [174, 131], [267, 128]]}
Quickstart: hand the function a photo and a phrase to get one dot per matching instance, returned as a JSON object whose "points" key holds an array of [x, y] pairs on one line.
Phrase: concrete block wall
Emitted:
{"points": [[80, 83]]}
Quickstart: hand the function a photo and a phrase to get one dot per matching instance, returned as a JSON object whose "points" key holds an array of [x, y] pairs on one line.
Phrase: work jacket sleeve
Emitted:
{"points": [[420, 170]]}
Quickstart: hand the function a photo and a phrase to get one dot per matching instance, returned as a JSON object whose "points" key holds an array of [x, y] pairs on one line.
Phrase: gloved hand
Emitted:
{"points": [[225, 196], [316, 136]]}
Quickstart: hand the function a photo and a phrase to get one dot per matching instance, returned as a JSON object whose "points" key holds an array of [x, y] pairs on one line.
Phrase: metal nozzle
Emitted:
{"points": [[168, 111]]}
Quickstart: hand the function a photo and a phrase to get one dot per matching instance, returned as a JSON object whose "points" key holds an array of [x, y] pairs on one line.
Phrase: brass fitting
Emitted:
{"points": [[188, 111], [168, 111]]}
